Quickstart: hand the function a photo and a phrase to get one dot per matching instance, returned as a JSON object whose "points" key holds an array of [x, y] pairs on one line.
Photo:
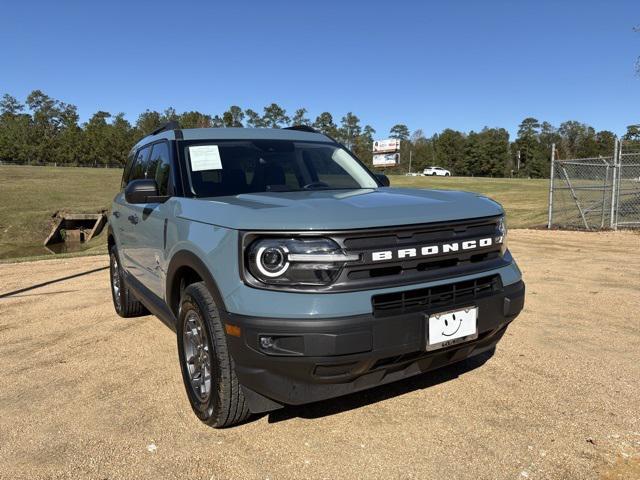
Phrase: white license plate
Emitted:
{"points": [[449, 328]]}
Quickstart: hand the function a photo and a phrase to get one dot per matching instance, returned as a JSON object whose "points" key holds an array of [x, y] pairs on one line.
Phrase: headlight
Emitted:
{"points": [[271, 261], [296, 261]]}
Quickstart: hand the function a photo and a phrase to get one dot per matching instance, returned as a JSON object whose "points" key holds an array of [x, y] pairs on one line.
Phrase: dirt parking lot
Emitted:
{"points": [[87, 394]]}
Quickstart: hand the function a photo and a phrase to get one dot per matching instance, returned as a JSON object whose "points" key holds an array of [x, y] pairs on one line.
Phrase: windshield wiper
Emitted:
{"points": [[280, 188]]}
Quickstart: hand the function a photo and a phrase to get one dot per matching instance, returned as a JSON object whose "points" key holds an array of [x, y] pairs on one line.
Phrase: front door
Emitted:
{"points": [[129, 216], [150, 229]]}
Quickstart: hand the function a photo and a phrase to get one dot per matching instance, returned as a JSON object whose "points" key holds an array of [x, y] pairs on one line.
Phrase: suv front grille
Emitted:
{"points": [[440, 297], [368, 273]]}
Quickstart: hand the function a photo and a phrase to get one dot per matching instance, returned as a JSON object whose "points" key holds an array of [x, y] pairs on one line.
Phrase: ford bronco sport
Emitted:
{"points": [[291, 273]]}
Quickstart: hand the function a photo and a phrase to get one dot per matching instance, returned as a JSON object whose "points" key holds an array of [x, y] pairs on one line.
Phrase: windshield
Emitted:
{"points": [[235, 167]]}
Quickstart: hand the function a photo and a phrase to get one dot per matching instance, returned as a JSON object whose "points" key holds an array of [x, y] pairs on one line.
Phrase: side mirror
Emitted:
{"points": [[383, 179], [141, 191]]}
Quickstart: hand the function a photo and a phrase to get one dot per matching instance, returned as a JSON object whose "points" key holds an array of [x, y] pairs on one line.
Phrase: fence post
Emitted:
{"points": [[553, 160], [604, 194], [612, 221]]}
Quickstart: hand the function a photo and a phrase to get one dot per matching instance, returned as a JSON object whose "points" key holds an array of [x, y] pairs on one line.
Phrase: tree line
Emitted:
{"points": [[46, 130]]}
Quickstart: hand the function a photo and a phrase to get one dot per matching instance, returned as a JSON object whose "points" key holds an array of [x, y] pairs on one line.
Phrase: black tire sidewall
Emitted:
{"points": [[209, 409], [113, 253]]}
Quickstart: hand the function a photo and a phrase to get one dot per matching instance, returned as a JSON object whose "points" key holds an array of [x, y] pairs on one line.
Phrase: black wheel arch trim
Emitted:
{"points": [[113, 242], [186, 258], [110, 234]]}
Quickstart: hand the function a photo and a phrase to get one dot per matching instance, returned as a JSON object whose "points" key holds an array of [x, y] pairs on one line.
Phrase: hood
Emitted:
{"points": [[337, 210]]}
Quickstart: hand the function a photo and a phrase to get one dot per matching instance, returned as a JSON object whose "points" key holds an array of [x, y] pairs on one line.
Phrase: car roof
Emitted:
{"points": [[236, 134]]}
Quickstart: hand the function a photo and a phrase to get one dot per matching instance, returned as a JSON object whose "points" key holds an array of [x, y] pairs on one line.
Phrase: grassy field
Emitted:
{"points": [[525, 201], [29, 196]]}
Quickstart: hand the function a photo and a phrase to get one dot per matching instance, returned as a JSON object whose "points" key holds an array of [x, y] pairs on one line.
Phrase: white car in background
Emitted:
{"points": [[436, 171]]}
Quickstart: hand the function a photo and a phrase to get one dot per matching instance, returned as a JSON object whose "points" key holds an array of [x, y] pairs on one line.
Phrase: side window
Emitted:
{"points": [[140, 166], [160, 166], [127, 168]]}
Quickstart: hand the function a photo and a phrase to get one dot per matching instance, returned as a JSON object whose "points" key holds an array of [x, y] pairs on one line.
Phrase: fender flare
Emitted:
{"points": [[110, 233], [186, 258]]}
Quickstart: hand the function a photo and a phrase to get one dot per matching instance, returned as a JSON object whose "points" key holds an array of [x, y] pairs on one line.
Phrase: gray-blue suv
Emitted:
{"points": [[291, 273]]}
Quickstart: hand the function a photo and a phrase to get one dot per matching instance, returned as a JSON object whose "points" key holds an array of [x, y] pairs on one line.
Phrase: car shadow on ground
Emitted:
{"points": [[378, 394], [50, 282]]}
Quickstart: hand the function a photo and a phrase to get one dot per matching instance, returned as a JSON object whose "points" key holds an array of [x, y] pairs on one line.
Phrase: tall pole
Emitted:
{"points": [[552, 174], [410, 152], [614, 181]]}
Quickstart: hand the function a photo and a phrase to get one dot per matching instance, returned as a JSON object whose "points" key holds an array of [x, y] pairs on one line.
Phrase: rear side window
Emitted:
{"points": [[159, 166]]}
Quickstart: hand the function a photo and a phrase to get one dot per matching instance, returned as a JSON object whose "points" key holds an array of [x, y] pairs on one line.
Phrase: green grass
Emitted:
{"points": [[525, 201], [29, 196]]}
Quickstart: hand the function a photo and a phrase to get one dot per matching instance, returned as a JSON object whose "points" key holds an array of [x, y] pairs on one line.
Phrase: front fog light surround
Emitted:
{"points": [[502, 238], [502, 227], [296, 261]]}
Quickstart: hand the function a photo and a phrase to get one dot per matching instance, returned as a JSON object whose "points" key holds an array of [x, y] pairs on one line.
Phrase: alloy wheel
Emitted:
{"points": [[115, 280], [197, 356]]}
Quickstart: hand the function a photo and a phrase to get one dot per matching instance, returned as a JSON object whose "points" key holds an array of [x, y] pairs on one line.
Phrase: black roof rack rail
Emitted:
{"points": [[302, 128], [172, 125], [307, 128]]}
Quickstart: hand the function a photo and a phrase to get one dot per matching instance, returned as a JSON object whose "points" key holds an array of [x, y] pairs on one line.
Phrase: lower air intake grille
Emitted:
{"points": [[440, 297]]}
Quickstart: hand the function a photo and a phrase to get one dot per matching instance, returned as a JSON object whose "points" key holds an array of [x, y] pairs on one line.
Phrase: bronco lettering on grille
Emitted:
{"points": [[444, 248]]}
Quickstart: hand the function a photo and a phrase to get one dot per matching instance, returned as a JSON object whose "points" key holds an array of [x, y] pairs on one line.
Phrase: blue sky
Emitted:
{"points": [[431, 65]]}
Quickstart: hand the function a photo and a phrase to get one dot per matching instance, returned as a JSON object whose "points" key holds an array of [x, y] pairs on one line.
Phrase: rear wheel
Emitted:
{"points": [[207, 368], [125, 304]]}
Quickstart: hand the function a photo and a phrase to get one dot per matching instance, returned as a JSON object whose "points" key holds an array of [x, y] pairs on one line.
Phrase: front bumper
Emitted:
{"points": [[317, 359]]}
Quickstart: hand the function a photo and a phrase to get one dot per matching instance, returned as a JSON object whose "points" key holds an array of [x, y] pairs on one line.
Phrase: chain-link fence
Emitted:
{"points": [[596, 193], [627, 203]]}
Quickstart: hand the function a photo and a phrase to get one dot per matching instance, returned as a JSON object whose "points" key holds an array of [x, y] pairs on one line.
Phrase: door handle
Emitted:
{"points": [[133, 219]]}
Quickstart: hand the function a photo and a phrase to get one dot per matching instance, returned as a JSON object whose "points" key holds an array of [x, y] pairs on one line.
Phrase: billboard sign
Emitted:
{"points": [[386, 160], [388, 145]]}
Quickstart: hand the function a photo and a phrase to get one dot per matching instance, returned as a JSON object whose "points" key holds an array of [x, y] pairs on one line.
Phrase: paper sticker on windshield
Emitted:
{"points": [[205, 157]]}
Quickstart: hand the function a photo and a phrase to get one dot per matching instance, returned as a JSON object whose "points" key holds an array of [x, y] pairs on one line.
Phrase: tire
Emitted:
{"points": [[447, 174], [202, 348], [125, 304], [434, 174]]}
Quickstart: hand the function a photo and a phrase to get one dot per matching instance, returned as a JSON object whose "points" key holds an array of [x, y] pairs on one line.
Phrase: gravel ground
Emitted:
{"points": [[87, 394]]}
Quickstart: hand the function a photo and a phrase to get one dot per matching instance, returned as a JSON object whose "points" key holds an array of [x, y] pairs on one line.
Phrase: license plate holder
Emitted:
{"points": [[451, 327]]}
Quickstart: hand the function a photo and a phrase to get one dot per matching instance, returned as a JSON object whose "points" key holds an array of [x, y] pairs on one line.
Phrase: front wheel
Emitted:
{"points": [[207, 368]]}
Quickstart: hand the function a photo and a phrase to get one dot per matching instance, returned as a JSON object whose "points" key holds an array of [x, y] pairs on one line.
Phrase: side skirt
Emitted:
{"points": [[154, 304]]}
